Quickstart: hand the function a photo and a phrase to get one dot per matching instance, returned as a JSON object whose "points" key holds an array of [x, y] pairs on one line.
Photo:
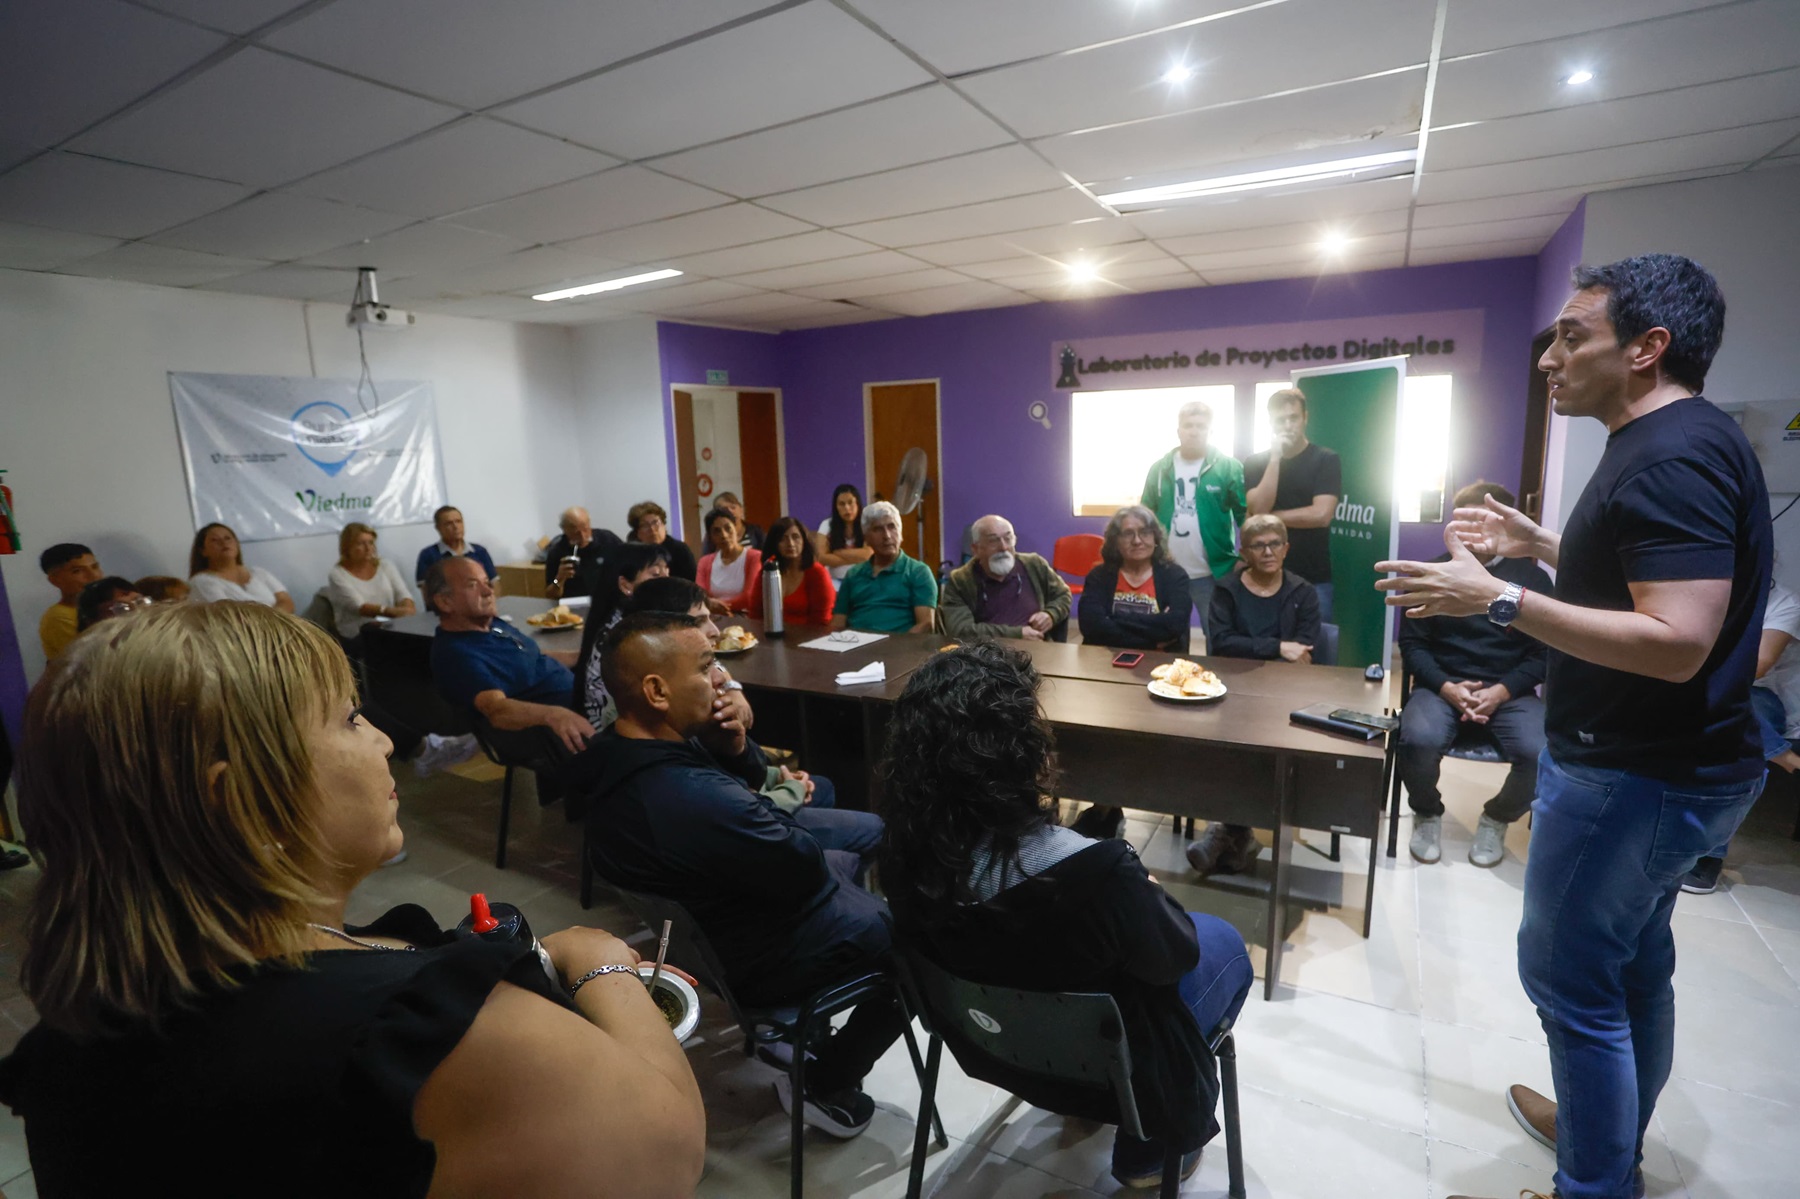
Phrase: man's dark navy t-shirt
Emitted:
{"points": [[1678, 494], [1315, 470], [464, 664]]}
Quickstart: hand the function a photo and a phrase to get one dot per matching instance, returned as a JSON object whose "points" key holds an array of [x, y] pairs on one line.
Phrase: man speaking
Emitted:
{"points": [[1652, 758]]}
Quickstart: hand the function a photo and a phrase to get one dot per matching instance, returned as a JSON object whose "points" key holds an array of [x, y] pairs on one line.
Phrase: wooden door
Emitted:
{"points": [[759, 457], [901, 416], [1537, 431], [686, 472]]}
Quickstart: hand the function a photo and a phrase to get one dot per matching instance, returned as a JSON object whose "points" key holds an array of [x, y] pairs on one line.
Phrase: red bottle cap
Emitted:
{"points": [[484, 921]]}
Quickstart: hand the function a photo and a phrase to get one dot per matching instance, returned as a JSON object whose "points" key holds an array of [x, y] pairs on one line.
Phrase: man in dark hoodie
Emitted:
{"points": [[676, 814]]}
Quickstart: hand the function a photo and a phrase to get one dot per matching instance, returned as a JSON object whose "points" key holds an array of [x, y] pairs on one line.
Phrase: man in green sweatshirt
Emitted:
{"points": [[1197, 492]]}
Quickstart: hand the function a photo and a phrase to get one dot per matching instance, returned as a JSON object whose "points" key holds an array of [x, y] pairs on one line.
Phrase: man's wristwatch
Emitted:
{"points": [[1505, 608]]}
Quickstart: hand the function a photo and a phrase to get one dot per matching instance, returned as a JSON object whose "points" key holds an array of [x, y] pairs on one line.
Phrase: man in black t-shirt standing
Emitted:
{"points": [[1300, 482], [1653, 757]]}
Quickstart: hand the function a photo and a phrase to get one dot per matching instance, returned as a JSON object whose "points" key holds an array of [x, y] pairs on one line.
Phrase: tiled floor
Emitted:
{"points": [[1377, 1071]]}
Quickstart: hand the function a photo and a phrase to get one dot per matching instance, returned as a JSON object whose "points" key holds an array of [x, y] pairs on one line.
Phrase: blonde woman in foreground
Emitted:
{"points": [[203, 797]]}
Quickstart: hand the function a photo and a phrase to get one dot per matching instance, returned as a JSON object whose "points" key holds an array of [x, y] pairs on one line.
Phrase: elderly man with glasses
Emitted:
{"points": [[1000, 592]]}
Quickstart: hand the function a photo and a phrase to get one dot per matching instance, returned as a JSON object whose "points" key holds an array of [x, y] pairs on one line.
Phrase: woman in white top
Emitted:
{"points": [[216, 571], [727, 573], [363, 586], [840, 545]]}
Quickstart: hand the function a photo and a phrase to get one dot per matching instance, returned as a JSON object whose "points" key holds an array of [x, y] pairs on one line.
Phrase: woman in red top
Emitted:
{"points": [[806, 587]]}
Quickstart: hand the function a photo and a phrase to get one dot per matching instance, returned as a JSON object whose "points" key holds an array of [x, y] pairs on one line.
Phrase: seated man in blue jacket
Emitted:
{"points": [[675, 813], [1262, 611], [1468, 670]]}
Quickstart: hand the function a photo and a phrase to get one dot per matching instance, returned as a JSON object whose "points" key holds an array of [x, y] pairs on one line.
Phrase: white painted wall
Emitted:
{"points": [[622, 414], [1741, 228], [87, 434]]}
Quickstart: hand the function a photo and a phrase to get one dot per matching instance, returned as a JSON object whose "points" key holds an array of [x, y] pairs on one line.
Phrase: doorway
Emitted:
{"points": [[727, 440], [1537, 432], [898, 417]]}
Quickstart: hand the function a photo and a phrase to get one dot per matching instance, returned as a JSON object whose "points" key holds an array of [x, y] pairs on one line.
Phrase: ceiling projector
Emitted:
{"points": [[366, 309]]}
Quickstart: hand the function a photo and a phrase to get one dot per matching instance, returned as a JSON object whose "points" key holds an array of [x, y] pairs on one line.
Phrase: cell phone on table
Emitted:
{"points": [[1128, 658], [1368, 720]]}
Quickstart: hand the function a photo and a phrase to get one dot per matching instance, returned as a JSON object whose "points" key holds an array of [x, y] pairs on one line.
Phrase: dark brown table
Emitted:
{"points": [[518, 607]]}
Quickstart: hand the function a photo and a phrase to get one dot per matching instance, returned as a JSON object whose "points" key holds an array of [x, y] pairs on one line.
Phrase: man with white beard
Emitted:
{"points": [[1001, 592]]}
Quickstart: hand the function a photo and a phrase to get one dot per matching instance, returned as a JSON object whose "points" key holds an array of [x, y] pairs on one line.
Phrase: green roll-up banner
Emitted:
{"points": [[1354, 410]]}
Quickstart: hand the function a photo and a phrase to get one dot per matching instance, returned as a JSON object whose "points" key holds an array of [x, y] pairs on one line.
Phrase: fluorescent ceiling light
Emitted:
{"points": [[1333, 243], [588, 289], [1579, 78], [1179, 73], [1257, 180]]}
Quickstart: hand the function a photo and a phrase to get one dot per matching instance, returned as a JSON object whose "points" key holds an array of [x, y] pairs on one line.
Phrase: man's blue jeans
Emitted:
{"points": [[1597, 956]]}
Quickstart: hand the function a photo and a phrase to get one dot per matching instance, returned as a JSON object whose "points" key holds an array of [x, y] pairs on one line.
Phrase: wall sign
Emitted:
{"points": [[1437, 343], [718, 378], [275, 457]]}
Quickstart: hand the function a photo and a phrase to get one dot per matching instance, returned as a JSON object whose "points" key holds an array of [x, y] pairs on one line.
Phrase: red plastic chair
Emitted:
{"points": [[1075, 555]]}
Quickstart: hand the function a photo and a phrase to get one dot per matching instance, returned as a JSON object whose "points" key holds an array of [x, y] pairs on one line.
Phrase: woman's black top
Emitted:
{"points": [[1092, 922], [300, 1082], [1103, 624]]}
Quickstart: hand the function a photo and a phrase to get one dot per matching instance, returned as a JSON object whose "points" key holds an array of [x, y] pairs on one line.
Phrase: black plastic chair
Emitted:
{"points": [[534, 749], [796, 1026], [1064, 1037]]}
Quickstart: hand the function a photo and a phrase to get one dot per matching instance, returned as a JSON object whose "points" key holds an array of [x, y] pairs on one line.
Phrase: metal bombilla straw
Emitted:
{"points": [[662, 951]]}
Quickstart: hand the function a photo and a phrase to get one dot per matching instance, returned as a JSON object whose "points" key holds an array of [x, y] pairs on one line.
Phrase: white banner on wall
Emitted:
{"points": [[275, 457]]}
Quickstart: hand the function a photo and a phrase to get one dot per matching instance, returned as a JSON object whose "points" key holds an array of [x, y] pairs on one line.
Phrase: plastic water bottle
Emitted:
{"points": [[774, 622], [502, 922]]}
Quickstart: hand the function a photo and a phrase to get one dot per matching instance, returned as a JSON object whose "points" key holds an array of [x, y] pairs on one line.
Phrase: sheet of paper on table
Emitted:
{"points": [[845, 639]]}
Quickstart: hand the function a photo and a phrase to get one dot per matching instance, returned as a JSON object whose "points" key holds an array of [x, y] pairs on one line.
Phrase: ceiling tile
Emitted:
{"points": [[1330, 122], [542, 268], [141, 263], [65, 65], [954, 298], [30, 248], [1475, 251], [233, 16], [712, 229], [292, 283], [114, 199], [743, 307], [1698, 109], [853, 289], [613, 199], [1560, 203], [477, 53], [1291, 270], [1250, 209], [844, 315], [675, 295], [277, 226], [262, 119], [1700, 47], [1301, 233], [1538, 228], [816, 246], [1052, 239], [1476, 25], [968, 179], [474, 161], [835, 270], [957, 36], [1005, 268], [1320, 41], [1617, 164], [427, 246], [926, 123], [1362, 247], [792, 64], [977, 220], [1109, 279]]}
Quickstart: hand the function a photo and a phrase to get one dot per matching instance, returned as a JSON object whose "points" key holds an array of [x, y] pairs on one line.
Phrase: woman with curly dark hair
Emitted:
{"points": [[984, 882]]}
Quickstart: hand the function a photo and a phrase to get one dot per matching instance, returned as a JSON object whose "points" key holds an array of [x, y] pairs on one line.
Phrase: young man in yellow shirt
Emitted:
{"points": [[69, 567]]}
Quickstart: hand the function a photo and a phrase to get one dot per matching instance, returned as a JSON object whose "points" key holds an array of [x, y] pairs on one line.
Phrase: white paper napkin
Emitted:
{"points": [[874, 672]]}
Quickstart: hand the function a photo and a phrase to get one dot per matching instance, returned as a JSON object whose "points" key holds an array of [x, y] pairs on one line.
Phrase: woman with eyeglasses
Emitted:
{"points": [[104, 599], [1137, 598]]}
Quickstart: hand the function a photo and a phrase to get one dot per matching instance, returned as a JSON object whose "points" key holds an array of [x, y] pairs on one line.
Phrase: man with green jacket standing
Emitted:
{"points": [[1197, 492], [1000, 592]]}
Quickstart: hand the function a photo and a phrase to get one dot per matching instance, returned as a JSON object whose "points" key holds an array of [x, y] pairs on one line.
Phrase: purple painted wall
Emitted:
{"points": [[1560, 255], [12, 673]]}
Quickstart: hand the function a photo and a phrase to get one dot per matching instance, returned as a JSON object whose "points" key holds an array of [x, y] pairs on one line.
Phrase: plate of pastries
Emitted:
{"points": [[735, 640], [558, 617], [1186, 682]]}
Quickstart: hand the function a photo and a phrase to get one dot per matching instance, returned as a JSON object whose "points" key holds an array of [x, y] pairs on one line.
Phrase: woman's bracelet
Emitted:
{"points": [[596, 972]]}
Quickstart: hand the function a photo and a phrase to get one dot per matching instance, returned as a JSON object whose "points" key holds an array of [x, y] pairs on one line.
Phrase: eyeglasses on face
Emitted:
{"points": [[1263, 547], [1136, 535]]}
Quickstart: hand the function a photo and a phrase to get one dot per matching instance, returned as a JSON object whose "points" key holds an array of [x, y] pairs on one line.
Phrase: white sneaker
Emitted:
{"points": [[1490, 843], [1427, 838], [441, 753]]}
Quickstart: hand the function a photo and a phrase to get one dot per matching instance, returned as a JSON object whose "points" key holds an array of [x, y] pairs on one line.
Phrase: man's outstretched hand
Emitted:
{"points": [[1459, 587], [1496, 530]]}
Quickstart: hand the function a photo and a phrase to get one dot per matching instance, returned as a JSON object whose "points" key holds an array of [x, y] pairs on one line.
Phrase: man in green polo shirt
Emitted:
{"points": [[1197, 492], [890, 593]]}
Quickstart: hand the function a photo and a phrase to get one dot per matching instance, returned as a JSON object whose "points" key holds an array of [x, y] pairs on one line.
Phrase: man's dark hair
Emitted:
{"points": [[1663, 291], [620, 667], [439, 514], [61, 554], [969, 758], [667, 594], [1474, 495], [97, 595], [1286, 396]]}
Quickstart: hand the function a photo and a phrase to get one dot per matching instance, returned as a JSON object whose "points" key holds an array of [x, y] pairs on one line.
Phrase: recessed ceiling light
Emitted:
{"points": [[1333, 244], [1082, 272], [588, 289], [1579, 78], [1179, 73], [1400, 162]]}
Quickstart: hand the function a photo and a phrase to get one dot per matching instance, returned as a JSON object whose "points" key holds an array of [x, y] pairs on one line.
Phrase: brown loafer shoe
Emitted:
{"points": [[1535, 1114]]}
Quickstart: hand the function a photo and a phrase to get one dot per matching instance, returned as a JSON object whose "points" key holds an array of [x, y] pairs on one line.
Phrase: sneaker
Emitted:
{"points": [[1150, 1178], [441, 753], [1490, 843], [1100, 822], [841, 1114], [1427, 839], [1703, 879], [1223, 849], [1535, 1114]]}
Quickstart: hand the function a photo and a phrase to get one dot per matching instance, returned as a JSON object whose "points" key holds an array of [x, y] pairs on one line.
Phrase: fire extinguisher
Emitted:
{"points": [[9, 528]]}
